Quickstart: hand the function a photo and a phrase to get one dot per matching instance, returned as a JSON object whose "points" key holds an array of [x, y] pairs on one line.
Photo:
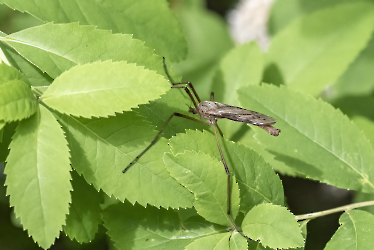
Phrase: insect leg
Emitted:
{"points": [[226, 169], [219, 130], [157, 137], [212, 99], [166, 71], [191, 87], [228, 183], [180, 83], [196, 106], [189, 94]]}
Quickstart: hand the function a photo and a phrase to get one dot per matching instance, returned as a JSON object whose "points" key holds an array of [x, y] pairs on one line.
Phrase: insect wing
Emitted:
{"points": [[242, 115]]}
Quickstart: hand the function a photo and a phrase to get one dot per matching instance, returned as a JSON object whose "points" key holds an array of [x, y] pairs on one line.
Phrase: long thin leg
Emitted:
{"points": [[228, 183], [157, 137], [193, 100], [212, 99], [226, 169], [179, 83], [191, 87], [219, 130], [189, 94], [166, 71]]}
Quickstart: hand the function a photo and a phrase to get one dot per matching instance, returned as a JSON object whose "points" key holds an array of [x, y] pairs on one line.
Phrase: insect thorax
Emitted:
{"points": [[206, 106]]}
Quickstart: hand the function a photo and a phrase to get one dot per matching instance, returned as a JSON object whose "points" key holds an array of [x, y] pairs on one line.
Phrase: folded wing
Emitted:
{"points": [[240, 115]]}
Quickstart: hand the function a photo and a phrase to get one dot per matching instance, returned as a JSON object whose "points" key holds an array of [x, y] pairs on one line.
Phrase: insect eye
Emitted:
{"points": [[192, 110]]}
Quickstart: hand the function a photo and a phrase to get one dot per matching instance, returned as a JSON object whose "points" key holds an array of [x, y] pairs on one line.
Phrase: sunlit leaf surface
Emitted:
{"points": [[38, 176], [312, 128]]}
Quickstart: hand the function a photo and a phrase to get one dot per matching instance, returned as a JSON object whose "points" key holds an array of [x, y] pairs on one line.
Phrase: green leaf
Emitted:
{"points": [[358, 109], [242, 66], [283, 12], [158, 111], [359, 77], [238, 242], [256, 178], [104, 88], [8, 131], [136, 227], [38, 176], [152, 22], [16, 99], [2, 124], [46, 47], [361, 197], [208, 40], [312, 128], [14, 21], [101, 148], [203, 175], [32, 73], [355, 232], [255, 245], [355, 105], [211, 242], [303, 226], [3, 58], [274, 226], [316, 49], [257, 181], [82, 222]]}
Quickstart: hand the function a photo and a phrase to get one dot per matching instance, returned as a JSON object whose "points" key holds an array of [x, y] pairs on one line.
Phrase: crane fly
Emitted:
{"points": [[211, 111]]}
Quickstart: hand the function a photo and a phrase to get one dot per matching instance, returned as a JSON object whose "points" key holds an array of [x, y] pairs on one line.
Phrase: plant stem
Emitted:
{"points": [[334, 210]]}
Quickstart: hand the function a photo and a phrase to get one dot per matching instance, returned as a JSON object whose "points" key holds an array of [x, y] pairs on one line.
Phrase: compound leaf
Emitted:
{"points": [[101, 148]]}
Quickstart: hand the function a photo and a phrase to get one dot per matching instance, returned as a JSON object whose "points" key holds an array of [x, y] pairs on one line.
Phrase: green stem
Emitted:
{"points": [[334, 210]]}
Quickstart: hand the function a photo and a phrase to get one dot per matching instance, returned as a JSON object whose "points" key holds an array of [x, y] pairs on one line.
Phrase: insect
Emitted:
{"points": [[211, 111]]}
